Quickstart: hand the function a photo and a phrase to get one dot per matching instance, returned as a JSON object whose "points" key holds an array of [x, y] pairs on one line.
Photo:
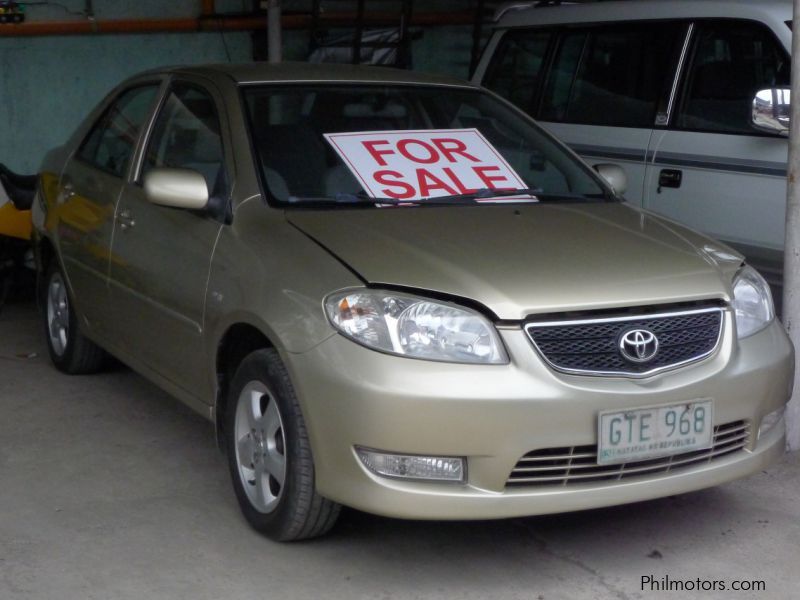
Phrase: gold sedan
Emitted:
{"points": [[396, 292]]}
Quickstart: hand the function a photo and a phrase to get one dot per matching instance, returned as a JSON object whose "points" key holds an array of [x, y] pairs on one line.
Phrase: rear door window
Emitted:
{"points": [[732, 60], [612, 75], [113, 138]]}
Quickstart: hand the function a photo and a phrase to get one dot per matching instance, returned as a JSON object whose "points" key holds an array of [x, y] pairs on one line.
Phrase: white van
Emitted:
{"points": [[689, 96]]}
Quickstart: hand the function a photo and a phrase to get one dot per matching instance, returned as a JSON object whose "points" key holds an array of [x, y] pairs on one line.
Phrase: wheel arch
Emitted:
{"points": [[239, 340], [44, 252]]}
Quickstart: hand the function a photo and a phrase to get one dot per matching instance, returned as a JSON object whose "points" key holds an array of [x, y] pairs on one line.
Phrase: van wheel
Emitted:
{"points": [[70, 351], [269, 455]]}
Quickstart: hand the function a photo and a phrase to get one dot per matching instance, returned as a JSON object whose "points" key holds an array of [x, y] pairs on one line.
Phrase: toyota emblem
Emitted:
{"points": [[638, 345]]}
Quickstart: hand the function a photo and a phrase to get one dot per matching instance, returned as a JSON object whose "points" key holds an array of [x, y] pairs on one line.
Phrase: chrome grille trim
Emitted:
{"points": [[532, 327], [578, 464]]}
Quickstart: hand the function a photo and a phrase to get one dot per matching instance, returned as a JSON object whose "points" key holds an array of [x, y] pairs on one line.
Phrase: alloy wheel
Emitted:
{"points": [[58, 314], [260, 446]]}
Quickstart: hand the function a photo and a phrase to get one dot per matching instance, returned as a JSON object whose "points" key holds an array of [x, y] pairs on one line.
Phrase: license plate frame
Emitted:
{"points": [[659, 431]]}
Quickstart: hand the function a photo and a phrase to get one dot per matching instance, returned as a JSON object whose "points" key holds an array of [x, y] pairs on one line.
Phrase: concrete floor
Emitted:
{"points": [[109, 489]]}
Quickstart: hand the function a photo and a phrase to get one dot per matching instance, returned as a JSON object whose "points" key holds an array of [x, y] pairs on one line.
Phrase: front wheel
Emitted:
{"points": [[70, 351], [269, 454]]}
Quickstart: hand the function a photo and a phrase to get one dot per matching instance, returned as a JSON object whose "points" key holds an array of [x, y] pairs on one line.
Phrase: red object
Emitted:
{"points": [[215, 23]]}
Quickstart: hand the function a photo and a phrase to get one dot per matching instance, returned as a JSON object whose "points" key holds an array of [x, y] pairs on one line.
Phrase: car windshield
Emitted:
{"points": [[347, 144]]}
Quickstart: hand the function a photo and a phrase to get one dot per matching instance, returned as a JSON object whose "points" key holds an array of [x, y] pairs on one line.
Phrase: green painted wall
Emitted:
{"points": [[48, 84]]}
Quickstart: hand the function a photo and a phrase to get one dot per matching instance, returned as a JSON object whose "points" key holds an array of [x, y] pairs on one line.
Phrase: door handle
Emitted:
{"points": [[670, 178], [67, 192], [126, 220]]}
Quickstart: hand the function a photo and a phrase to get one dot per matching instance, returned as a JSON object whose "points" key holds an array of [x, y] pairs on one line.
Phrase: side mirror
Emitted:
{"points": [[177, 188], [614, 175], [772, 110]]}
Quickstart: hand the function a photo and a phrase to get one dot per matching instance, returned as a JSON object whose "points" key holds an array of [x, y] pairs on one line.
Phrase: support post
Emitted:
{"points": [[274, 42], [791, 255], [358, 34]]}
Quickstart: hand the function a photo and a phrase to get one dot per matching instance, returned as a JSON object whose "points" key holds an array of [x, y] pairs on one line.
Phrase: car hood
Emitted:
{"points": [[518, 260]]}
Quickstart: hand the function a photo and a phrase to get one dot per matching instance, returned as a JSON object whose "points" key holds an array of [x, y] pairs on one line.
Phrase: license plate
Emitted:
{"points": [[643, 433]]}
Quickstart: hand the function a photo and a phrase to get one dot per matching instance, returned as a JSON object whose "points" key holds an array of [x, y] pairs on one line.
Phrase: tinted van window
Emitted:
{"points": [[517, 64], [731, 62], [611, 76]]}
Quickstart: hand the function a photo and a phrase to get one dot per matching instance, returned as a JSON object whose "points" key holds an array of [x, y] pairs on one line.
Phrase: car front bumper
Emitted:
{"points": [[494, 414]]}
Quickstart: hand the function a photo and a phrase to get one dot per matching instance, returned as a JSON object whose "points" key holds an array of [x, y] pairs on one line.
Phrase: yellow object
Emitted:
{"points": [[15, 223]]}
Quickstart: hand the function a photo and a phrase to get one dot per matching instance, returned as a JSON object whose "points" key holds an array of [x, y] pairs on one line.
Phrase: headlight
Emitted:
{"points": [[752, 302], [415, 327]]}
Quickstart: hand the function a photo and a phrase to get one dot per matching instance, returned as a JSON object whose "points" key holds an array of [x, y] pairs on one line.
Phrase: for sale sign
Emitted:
{"points": [[411, 165]]}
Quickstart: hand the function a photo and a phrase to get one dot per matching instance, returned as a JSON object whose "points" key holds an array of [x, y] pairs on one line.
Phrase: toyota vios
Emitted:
{"points": [[397, 293]]}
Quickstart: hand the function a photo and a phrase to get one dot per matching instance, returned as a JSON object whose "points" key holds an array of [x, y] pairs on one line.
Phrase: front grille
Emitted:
{"points": [[592, 346], [578, 464]]}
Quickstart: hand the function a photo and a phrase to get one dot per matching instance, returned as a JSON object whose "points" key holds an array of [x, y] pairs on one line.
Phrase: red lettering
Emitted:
{"points": [[432, 156], [456, 147], [489, 179], [377, 154], [457, 182], [428, 181], [383, 177]]}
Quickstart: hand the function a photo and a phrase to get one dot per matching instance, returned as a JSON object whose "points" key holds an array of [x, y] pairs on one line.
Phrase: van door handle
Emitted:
{"points": [[670, 178], [126, 220]]}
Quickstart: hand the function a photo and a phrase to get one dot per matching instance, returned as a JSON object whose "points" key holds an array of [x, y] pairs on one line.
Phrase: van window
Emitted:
{"points": [[611, 76], [731, 62], [516, 66]]}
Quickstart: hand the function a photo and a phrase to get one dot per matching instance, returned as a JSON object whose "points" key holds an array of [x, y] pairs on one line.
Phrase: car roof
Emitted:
{"points": [[250, 73], [521, 14]]}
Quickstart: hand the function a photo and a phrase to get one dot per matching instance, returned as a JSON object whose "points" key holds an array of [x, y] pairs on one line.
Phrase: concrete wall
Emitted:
{"points": [[48, 84]]}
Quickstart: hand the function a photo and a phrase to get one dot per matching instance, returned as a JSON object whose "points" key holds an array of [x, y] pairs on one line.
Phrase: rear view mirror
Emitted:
{"points": [[772, 110], [614, 175], [177, 188]]}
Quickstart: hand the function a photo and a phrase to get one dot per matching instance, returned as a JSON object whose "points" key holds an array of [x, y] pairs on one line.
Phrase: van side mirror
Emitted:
{"points": [[772, 110], [176, 188], [614, 175]]}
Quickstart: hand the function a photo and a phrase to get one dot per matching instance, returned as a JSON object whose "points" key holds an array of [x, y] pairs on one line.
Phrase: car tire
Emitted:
{"points": [[269, 454], [70, 351]]}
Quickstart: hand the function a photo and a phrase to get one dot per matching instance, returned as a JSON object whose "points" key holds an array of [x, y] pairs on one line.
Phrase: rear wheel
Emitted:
{"points": [[269, 455], [70, 351]]}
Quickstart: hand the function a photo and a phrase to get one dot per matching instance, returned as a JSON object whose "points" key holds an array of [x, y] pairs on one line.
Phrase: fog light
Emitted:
{"points": [[408, 466], [769, 421]]}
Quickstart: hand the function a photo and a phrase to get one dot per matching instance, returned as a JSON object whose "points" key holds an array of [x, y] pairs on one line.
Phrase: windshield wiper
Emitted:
{"points": [[356, 199], [469, 198], [575, 198]]}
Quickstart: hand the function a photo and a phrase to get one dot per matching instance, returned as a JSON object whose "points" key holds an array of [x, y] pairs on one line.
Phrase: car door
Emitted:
{"points": [[710, 168], [599, 88], [162, 255], [89, 187]]}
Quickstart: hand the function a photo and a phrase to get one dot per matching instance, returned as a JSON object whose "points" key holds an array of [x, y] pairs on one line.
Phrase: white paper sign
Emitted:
{"points": [[411, 165]]}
